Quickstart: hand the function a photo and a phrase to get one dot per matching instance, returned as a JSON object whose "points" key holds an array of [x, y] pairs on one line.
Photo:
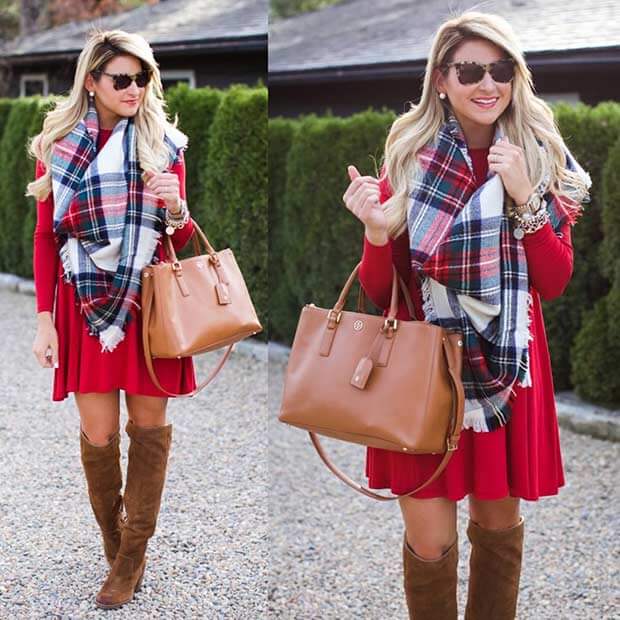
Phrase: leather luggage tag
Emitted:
{"points": [[362, 373], [223, 296]]}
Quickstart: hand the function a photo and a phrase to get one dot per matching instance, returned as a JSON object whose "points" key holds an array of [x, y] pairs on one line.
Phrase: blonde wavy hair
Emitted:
{"points": [[151, 120], [526, 119]]}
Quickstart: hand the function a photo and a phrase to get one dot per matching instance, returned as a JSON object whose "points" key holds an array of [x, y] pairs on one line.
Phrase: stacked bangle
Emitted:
{"points": [[529, 217], [174, 221]]}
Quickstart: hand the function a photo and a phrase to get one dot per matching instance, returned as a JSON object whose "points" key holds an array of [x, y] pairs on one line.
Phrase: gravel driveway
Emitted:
{"points": [[336, 554], [226, 546], [209, 555]]}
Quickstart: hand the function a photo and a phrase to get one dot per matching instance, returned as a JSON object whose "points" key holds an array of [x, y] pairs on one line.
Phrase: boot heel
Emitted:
{"points": [[139, 584]]}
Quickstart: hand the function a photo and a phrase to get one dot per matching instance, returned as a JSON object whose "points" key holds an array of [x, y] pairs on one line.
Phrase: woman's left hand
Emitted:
{"points": [[165, 185], [508, 161]]}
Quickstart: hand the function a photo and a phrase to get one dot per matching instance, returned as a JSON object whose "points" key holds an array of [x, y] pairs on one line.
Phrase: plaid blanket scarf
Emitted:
{"points": [[474, 271], [106, 221]]}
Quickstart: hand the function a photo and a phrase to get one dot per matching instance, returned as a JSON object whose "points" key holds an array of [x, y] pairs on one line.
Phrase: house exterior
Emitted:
{"points": [[200, 42], [363, 53]]}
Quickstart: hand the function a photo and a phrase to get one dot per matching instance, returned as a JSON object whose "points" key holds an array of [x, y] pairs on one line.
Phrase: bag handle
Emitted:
{"points": [[221, 288], [452, 437], [344, 293], [362, 297], [197, 236]]}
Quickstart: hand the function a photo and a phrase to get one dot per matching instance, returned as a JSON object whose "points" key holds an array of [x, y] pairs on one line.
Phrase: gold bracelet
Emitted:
{"points": [[176, 221]]}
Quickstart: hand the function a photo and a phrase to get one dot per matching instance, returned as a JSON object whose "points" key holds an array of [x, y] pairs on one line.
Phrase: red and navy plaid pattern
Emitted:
{"points": [[107, 222], [474, 271]]}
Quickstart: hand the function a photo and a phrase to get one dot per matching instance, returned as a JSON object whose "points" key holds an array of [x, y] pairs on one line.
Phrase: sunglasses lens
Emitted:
{"points": [[469, 73], [121, 82], [142, 79], [503, 71]]}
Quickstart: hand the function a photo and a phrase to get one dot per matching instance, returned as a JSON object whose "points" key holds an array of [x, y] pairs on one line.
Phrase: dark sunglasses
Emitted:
{"points": [[121, 81], [472, 72]]}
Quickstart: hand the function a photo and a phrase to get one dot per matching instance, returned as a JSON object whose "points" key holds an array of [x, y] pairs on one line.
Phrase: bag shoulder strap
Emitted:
{"points": [[365, 490]]}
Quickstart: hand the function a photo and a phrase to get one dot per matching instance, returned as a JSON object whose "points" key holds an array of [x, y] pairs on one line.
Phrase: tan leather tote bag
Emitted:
{"points": [[375, 381], [195, 305]]}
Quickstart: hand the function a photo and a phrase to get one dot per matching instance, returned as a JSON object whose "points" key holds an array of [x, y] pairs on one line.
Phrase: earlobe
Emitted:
{"points": [[89, 83], [438, 81]]}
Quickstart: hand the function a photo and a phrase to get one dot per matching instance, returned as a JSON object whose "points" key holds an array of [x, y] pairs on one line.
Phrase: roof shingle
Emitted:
{"points": [[167, 22], [365, 32]]}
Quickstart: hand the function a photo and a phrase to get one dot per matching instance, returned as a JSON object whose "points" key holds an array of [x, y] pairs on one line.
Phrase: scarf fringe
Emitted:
{"points": [[427, 301], [66, 262], [475, 418], [110, 338], [525, 364]]}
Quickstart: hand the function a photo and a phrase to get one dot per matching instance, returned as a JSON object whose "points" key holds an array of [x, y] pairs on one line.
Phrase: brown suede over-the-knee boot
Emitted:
{"points": [[494, 572], [102, 468], [430, 585], [146, 473]]}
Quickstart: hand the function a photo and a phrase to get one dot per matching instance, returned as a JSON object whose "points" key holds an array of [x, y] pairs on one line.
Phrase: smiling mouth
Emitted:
{"points": [[486, 103], [132, 102]]}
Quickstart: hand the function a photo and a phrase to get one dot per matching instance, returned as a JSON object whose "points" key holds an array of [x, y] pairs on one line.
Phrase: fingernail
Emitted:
{"points": [[56, 365]]}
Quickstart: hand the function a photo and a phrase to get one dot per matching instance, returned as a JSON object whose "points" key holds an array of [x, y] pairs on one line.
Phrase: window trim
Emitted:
{"points": [[570, 97], [33, 77], [170, 74]]}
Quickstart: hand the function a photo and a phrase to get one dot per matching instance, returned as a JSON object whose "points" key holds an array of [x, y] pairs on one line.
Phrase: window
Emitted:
{"points": [[33, 84], [570, 98], [172, 77]]}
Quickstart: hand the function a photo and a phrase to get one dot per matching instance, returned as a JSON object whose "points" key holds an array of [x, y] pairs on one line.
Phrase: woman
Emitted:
{"points": [[478, 194], [110, 178]]}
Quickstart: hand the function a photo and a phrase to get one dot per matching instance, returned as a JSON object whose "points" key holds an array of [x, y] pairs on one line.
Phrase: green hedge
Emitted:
{"points": [[235, 200], [282, 305], [596, 351], [16, 170], [322, 240], [30, 219], [5, 109], [589, 133], [610, 199], [196, 108]]}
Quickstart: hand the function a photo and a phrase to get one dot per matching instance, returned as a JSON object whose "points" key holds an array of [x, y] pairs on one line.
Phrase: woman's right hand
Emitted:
{"points": [[45, 346], [362, 199]]}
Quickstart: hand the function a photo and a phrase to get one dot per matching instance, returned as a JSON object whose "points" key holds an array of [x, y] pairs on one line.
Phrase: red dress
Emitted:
{"points": [[82, 365], [522, 458]]}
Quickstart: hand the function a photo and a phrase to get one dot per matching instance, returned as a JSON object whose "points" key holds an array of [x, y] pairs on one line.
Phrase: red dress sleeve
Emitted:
{"points": [[181, 236], [45, 257], [549, 260]]}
